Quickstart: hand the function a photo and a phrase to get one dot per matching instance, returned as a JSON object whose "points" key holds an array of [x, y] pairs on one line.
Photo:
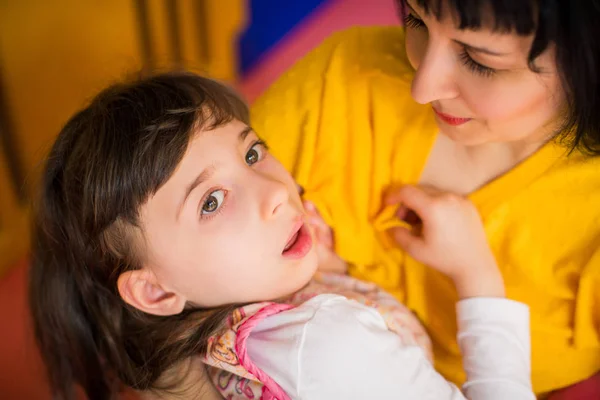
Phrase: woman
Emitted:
{"points": [[496, 101]]}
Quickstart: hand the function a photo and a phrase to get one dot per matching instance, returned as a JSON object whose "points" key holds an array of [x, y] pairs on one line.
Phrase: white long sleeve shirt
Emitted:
{"points": [[334, 348]]}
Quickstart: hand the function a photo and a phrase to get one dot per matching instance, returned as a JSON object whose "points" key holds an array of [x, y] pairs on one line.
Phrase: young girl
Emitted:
{"points": [[167, 235]]}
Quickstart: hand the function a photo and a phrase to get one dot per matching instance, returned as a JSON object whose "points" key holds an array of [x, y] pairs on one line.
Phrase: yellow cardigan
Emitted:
{"points": [[343, 122]]}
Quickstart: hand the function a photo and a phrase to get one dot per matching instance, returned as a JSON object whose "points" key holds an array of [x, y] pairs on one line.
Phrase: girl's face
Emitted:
{"points": [[479, 83], [227, 227]]}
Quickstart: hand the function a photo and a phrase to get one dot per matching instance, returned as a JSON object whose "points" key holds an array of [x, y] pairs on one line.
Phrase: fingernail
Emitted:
{"points": [[315, 221]]}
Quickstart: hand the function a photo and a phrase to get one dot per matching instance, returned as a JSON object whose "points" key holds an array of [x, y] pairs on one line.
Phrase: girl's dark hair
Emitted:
{"points": [[571, 25], [106, 162]]}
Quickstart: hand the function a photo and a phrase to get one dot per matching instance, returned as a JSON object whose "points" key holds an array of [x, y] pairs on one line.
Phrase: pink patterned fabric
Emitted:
{"points": [[272, 391], [230, 373], [234, 374]]}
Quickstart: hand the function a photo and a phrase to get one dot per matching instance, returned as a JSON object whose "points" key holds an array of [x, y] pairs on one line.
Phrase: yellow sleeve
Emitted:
{"points": [[587, 305], [303, 117], [337, 120], [287, 115]]}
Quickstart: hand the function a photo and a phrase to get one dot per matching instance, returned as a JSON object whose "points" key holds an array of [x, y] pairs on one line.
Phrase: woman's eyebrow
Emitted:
{"points": [[411, 8], [479, 49], [472, 48]]}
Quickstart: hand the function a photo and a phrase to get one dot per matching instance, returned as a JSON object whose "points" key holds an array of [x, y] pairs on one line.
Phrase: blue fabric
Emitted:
{"points": [[269, 22]]}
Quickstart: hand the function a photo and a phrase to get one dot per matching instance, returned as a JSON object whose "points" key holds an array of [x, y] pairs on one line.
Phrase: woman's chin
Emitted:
{"points": [[463, 136]]}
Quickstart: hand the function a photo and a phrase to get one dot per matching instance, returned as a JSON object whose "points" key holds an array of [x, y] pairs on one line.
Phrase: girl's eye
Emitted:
{"points": [[256, 152], [474, 66], [213, 202], [411, 21]]}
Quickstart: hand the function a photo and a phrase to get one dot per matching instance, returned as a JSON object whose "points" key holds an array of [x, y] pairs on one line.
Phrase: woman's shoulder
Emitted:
{"points": [[346, 58], [576, 175], [368, 50], [352, 88]]}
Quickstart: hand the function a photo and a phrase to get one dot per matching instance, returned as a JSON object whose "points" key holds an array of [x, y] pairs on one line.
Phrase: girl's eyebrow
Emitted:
{"points": [[207, 173], [244, 133], [202, 177]]}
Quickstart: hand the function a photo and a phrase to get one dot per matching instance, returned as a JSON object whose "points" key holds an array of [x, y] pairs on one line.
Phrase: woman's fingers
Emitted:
{"points": [[329, 261], [415, 202], [309, 206], [323, 232], [410, 242]]}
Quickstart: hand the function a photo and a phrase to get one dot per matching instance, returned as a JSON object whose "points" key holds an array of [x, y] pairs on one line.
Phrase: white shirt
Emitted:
{"points": [[334, 348]]}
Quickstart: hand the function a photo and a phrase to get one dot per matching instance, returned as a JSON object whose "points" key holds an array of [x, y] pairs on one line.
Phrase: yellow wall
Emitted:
{"points": [[14, 236], [55, 55]]}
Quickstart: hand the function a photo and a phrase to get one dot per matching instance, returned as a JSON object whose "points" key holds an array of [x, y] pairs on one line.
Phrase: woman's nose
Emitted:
{"points": [[435, 76]]}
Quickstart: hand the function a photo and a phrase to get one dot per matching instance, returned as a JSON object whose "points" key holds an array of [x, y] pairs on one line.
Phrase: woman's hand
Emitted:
{"points": [[447, 234], [329, 261]]}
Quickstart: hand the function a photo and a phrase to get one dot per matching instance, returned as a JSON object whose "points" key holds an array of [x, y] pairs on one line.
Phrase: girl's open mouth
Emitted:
{"points": [[299, 244]]}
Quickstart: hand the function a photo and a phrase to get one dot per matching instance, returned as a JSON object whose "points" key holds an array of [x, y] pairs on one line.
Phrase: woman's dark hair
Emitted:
{"points": [[106, 162], [571, 25]]}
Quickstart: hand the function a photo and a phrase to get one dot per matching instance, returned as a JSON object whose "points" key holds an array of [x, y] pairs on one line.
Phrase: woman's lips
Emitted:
{"points": [[450, 119], [299, 243]]}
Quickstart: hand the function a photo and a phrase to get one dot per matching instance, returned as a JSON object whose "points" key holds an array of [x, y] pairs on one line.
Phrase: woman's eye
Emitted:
{"points": [[475, 67], [410, 21], [256, 153], [213, 202]]}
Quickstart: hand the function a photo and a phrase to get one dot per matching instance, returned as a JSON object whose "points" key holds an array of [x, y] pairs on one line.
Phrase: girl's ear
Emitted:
{"points": [[140, 289]]}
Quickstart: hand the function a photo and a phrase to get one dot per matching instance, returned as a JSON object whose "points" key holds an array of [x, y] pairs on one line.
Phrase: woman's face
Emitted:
{"points": [[479, 83]]}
